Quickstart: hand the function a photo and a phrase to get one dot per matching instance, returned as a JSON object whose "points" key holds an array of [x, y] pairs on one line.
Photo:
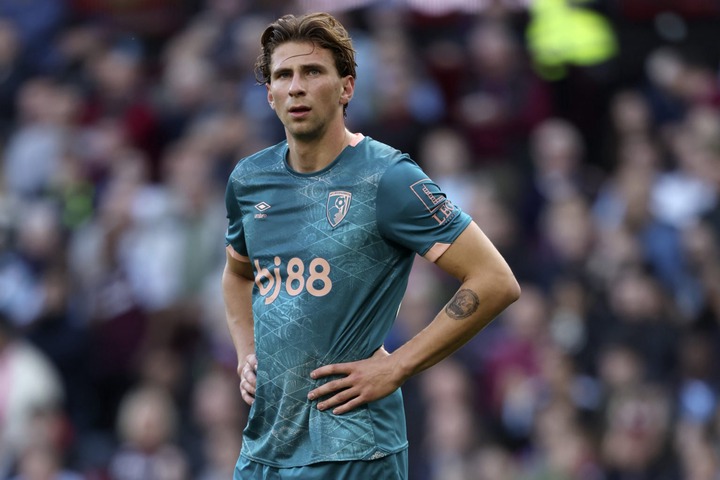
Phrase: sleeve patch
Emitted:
{"points": [[436, 203]]}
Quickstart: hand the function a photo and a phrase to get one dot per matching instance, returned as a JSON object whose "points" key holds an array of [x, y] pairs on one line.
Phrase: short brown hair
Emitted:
{"points": [[322, 29]]}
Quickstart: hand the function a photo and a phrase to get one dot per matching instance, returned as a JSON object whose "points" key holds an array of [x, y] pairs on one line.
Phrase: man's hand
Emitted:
{"points": [[364, 381], [248, 379]]}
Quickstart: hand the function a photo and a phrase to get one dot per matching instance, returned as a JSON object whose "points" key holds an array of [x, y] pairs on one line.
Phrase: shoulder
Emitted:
{"points": [[375, 160], [391, 167], [380, 151], [264, 159]]}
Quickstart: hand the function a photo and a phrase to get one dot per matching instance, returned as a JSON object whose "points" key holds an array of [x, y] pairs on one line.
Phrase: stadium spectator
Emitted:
{"points": [[120, 124]]}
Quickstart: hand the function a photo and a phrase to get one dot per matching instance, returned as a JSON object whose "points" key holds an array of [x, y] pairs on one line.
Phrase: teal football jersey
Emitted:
{"points": [[331, 252]]}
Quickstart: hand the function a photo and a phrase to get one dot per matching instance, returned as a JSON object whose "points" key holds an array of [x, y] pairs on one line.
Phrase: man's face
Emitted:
{"points": [[306, 90]]}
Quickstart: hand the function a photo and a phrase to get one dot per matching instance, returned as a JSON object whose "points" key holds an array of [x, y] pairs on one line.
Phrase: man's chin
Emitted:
{"points": [[304, 134]]}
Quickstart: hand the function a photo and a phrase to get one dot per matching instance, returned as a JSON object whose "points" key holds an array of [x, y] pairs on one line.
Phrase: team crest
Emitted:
{"points": [[337, 207]]}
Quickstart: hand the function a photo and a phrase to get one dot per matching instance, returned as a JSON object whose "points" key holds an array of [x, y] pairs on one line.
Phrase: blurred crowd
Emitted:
{"points": [[598, 180]]}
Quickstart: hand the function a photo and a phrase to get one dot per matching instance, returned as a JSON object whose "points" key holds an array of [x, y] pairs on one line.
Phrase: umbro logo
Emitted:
{"points": [[261, 207]]}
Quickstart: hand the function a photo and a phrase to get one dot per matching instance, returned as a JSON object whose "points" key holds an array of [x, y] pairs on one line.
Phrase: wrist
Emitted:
{"points": [[402, 368]]}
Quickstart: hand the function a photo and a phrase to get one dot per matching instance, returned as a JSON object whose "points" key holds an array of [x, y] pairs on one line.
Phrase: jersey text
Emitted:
{"points": [[317, 282]]}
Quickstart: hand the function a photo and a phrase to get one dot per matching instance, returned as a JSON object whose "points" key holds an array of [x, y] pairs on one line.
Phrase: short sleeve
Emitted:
{"points": [[414, 212], [235, 235]]}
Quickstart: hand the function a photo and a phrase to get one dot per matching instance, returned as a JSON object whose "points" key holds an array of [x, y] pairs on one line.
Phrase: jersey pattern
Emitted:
{"points": [[331, 252]]}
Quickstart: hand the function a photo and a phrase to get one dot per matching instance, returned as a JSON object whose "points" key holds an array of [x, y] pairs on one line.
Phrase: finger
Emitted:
{"points": [[248, 383], [248, 387], [247, 398], [348, 406], [334, 369], [336, 400], [329, 388], [252, 361], [249, 375], [249, 378], [251, 384]]}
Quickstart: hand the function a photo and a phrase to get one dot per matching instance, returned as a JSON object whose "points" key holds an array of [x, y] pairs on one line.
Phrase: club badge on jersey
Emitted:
{"points": [[338, 204]]}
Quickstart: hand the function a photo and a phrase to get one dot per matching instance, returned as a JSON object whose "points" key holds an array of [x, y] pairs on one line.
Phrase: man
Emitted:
{"points": [[323, 230]]}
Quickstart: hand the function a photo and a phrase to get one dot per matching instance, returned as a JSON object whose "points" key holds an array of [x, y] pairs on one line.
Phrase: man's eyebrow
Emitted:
{"points": [[280, 70], [316, 66], [305, 67]]}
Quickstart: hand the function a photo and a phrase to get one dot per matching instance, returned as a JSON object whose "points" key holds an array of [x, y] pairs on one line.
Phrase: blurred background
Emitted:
{"points": [[583, 136]]}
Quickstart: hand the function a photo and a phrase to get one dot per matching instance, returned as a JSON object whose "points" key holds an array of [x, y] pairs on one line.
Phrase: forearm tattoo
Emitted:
{"points": [[462, 305]]}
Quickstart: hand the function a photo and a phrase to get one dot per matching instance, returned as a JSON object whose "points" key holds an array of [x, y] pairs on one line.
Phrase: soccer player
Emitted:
{"points": [[323, 230]]}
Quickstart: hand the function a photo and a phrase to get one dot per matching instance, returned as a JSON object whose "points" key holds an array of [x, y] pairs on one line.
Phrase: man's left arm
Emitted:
{"points": [[488, 286]]}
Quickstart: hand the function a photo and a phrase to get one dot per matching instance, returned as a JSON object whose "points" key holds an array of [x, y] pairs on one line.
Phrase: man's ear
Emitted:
{"points": [[348, 90], [270, 99]]}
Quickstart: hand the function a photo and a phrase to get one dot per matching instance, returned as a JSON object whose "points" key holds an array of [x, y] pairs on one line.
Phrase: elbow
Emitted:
{"points": [[511, 289], [514, 290]]}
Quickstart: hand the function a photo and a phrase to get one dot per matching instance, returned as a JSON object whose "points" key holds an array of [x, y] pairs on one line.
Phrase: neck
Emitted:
{"points": [[311, 155]]}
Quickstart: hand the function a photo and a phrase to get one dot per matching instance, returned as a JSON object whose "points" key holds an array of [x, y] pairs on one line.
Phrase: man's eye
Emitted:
{"points": [[314, 71]]}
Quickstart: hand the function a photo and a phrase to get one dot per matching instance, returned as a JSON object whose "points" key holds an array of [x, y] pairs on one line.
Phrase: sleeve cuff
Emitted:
{"points": [[234, 254]]}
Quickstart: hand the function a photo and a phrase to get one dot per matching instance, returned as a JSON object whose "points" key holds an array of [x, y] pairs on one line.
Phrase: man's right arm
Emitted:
{"points": [[237, 285]]}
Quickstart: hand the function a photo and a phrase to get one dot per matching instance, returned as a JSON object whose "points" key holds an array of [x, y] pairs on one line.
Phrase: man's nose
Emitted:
{"points": [[297, 86]]}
